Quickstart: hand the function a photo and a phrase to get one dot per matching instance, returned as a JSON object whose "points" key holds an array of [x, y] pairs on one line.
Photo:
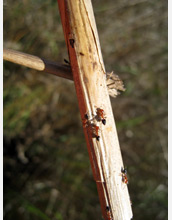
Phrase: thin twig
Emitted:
{"points": [[37, 63]]}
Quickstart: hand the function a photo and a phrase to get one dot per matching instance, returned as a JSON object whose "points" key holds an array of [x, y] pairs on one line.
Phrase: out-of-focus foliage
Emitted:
{"points": [[47, 173]]}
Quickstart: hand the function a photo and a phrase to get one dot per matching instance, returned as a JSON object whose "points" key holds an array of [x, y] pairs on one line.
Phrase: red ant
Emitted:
{"points": [[95, 128], [96, 132], [85, 120], [101, 115], [109, 215], [124, 175]]}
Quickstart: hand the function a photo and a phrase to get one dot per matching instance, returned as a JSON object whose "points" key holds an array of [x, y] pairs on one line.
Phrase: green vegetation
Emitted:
{"points": [[47, 173]]}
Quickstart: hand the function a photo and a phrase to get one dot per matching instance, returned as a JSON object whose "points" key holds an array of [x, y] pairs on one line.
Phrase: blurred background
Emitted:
{"points": [[47, 173]]}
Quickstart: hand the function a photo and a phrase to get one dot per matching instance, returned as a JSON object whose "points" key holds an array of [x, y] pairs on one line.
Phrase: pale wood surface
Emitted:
{"points": [[90, 82]]}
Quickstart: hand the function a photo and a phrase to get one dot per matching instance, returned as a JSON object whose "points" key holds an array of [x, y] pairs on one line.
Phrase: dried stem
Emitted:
{"points": [[95, 108]]}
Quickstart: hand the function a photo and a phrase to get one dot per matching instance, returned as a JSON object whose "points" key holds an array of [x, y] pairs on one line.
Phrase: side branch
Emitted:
{"points": [[37, 63], [114, 83]]}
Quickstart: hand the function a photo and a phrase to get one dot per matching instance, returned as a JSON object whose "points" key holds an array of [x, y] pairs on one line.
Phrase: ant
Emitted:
{"points": [[124, 175], [66, 61], [109, 215], [85, 120], [95, 129], [72, 41], [101, 115], [96, 132]]}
